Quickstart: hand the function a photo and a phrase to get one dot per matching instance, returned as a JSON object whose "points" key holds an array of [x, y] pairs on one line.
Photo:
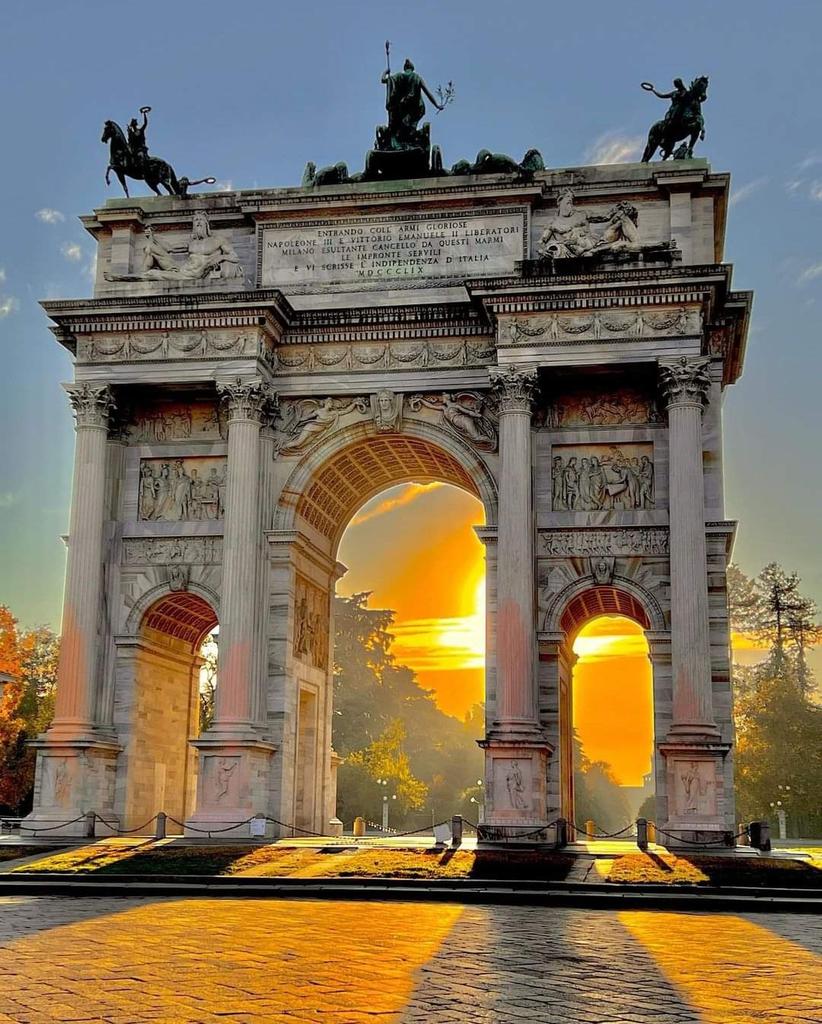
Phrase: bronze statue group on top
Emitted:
{"points": [[402, 148]]}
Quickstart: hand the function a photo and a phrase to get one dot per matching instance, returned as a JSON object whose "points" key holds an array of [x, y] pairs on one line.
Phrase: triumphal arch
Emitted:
{"points": [[255, 365]]}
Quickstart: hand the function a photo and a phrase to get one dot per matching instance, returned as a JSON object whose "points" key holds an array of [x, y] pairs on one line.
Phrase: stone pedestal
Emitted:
{"points": [[516, 748], [235, 761], [73, 777], [693, 749]]}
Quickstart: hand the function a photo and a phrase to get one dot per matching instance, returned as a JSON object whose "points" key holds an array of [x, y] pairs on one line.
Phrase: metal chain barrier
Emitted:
{"points": [[724, 841], [210, 831], [294, 828], [482, 831], [602, 835], [53, 828], [127, 831]]}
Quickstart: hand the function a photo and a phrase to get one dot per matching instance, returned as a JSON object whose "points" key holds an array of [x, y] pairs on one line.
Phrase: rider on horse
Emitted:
{"points": [[137, 139]]}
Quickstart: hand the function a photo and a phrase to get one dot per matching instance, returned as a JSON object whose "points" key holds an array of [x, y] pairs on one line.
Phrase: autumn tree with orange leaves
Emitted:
{"points": [[29, 659]]}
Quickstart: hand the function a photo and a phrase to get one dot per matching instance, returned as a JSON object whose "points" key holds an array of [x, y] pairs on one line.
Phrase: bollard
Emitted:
{"points": [[642, 834], [88, 824], [456, 830], [590, 829], [651, 832], [760, 835], [744, 839], [335, 828], [359, 827], [160, 826], [562, 832]]}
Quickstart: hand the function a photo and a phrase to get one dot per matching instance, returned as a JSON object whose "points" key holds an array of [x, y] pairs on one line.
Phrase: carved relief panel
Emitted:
{"points": [[177, 490], [594, 477], [178, 421], [600, 408], [311, 616], [694, 788]]}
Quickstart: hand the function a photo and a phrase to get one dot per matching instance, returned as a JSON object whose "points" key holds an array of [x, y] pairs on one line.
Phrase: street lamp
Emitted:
{"points": [[781, 815], [480, 804]]}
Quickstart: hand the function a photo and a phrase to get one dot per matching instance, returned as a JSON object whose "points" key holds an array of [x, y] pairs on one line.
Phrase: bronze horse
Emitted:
{"points": [[684, 121], [153, 171]]}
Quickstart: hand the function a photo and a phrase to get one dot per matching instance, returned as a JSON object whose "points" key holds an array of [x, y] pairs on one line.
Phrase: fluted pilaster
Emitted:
{"points": [[77, 671], [685, 383], [516, 638], [246, 402]]}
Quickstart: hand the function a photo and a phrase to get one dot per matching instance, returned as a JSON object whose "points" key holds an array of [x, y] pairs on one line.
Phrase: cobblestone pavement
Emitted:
{"points": [[253, 961]]}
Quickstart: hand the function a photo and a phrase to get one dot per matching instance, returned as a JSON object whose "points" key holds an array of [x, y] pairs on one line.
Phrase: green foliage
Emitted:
{"points": [[598, 796], [386, 726], [777, 715]]}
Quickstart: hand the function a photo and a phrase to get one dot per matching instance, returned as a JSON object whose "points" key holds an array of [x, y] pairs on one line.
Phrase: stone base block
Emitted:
{"points": [[697, 802], [233, 786], [72, 779], [516, 792]]}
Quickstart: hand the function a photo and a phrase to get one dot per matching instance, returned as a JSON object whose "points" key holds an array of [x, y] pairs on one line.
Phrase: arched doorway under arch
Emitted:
{"points": [[157, 708], [612, 721], [323, 493], [583, 602]]}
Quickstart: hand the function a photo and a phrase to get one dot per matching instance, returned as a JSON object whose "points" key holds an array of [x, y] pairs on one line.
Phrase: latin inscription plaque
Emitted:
{"points": [[392, 250]]}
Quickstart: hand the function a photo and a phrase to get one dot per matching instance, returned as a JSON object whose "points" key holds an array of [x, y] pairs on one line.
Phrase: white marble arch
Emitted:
{"points": [[300, 556], [286, 516], [561, 625]]}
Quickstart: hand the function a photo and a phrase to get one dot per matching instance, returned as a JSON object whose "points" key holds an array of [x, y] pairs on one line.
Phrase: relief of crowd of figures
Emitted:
{"points": [[612, 479], [591, 408], [179, 422], [176, 490], [570, 543]]}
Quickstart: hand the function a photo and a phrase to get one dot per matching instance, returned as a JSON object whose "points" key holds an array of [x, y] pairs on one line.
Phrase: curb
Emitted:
{"points": [[524, 893]]}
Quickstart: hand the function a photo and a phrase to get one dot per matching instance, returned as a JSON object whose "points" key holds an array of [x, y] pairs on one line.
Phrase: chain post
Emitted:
{"points": [[89, 822], [160, 826], [642, 834], [456, 830]]}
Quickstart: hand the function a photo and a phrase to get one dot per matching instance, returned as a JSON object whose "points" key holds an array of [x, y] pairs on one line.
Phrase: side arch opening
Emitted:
{"points": [[158, 707]]}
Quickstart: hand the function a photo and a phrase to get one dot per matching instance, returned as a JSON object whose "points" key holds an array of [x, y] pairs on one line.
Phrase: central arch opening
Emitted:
{"points": [[612, 712], [408, 616]]}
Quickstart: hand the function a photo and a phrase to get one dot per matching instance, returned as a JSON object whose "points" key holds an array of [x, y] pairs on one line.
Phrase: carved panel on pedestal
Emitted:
{"points": [[694, 788], [56, 781], [177, 490], [594, 477], [311, 610], [222, 778]]}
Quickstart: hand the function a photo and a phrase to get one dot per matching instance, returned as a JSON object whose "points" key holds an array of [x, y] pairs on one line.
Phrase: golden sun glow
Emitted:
{"points": [[415, 549]]}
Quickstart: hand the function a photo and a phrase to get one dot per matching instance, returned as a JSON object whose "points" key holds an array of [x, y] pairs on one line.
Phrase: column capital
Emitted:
{"points": [[515, 387], [685, 381], [92, 404], [249, 398]]}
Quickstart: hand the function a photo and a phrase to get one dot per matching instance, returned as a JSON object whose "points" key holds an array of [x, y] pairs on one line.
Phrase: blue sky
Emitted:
{"points": [[249, 93]]}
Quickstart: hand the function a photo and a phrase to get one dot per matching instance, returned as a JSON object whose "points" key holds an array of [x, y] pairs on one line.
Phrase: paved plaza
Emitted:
{"points": [[218, 961]]}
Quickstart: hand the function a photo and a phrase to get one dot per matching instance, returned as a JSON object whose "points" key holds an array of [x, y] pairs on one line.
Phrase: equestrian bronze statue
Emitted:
{"points": [[129, 158], [683, 120]]}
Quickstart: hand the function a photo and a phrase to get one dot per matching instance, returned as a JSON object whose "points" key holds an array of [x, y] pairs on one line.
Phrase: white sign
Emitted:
{"points": [[389, 250]]}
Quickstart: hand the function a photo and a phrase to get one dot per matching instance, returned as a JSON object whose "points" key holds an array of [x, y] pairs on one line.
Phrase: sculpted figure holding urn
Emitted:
{"points": [[569, 234]]}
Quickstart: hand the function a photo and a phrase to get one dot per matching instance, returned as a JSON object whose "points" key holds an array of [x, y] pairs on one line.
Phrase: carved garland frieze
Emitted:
{"points": [[561, 328], [599, 543], [332, 358], [154, 345], [185, 551]]}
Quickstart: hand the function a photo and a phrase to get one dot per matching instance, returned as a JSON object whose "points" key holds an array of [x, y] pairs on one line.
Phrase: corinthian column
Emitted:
{"points": [[516, 637], [77, 670], [685, 384], [246, 402]]}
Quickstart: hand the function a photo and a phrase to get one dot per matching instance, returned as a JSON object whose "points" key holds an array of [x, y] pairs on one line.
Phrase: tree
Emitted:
{"points": [[208, 682], [776, 714], [387, 726], [27, 705], [598, 797]]}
